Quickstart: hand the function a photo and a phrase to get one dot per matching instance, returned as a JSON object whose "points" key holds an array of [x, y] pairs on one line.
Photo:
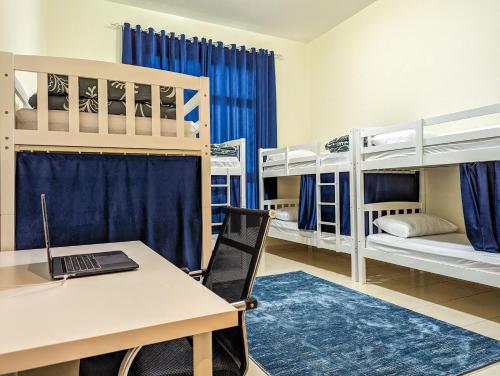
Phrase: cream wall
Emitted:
{"points": [[81, 29], [402, 60]]}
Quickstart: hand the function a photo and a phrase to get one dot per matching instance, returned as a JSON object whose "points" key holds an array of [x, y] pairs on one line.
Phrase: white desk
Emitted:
{"points": [[48, 324]]}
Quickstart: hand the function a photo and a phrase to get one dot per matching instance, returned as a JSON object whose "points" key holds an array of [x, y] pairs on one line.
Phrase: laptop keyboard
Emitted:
{"points": [[81, 263]]}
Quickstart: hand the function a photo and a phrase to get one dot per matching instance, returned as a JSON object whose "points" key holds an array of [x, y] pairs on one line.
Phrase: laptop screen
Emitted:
{"points": [[46, 230]]}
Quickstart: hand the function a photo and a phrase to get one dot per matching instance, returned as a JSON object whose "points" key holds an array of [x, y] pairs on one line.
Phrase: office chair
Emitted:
{"points": [[230, 274]]}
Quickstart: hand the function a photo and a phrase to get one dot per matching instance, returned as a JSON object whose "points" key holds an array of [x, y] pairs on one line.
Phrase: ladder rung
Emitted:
{"points": [[326, 183], [217, 224], [224, 204], [218, 185], [328, 203], [327, 223]]}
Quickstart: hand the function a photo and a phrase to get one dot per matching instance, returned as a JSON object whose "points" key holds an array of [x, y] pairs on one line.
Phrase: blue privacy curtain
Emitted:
{"points": [[307, 203], [242, 87], [390, 187], [480, 186], [111, 198]]}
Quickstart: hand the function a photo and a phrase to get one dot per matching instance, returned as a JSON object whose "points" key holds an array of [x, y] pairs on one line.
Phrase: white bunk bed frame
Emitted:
{"points": [[232, 171], [73, 140], [318, 168], [419, 160], [419, 142]]}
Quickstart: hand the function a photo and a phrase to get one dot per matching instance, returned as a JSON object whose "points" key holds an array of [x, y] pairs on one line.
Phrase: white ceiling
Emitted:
{"points": [[300, 20]]}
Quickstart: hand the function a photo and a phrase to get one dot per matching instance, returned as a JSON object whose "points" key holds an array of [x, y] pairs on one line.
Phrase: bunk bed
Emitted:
{"points": [[81, 130], [329, 170], [419, 145], [228, 170]]}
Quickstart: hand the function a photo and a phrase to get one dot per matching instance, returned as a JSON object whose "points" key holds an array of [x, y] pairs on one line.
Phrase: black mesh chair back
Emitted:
{"points": [[232, 268]]}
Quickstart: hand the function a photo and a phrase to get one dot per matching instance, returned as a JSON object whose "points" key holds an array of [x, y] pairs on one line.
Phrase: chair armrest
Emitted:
{"points": [[127, 361], [246, 305], [194, 273]]}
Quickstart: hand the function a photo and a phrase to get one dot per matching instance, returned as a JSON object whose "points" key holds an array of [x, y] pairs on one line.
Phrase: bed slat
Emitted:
{"points": [[179, 111], [155, 114], [370, 222], [74, 114], [102, 97], [130, 108], [42, 102]]}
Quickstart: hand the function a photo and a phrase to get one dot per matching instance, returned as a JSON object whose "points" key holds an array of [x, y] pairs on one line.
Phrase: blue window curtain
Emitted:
{"points": [[111, 198], [480, 187], [242, 87]]}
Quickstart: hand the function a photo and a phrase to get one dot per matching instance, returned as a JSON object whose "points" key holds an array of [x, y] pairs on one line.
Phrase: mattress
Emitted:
{"points": [[26, 119], [452, 249], [326, 159], [291, 227], [429, 134], [225, 162]]}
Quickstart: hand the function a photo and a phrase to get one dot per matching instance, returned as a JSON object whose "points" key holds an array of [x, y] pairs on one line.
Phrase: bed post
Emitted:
{"points": [[7, 156], [353, 206], [261, 182], [243, 177], [360, 209], [205, 171]]}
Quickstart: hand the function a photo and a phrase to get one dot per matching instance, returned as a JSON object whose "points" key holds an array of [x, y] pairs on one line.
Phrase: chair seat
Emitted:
{"points": [[172, 358], [175, 358]]}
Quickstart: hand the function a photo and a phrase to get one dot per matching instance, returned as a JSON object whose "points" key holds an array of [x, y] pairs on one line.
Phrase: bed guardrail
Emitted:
{"points": [[74, 139], [380, 209], [280, 203], [415, 142]]}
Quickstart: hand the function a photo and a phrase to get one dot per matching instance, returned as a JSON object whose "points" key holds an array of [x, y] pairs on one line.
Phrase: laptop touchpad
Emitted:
{"points": [[108, 259]]}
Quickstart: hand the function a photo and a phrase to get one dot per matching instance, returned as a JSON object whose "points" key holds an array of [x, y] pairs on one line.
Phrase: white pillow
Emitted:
{"points": [[290, 214], [410, 225], [291, 154], [393, 137]]}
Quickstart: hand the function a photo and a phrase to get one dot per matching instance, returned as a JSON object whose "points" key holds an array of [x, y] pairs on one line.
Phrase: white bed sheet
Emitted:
{"points": [[326, 160], [26, 119], [292, 227], [225, 162], [403, 136], [436, 149], [452, 249]]}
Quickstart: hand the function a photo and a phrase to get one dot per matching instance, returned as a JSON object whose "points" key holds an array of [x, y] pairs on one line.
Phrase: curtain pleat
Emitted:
{"points": [[111, 198], [480, 188], [242, 89]]}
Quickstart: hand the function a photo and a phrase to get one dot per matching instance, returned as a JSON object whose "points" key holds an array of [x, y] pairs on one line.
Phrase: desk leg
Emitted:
{"points": [[202, 354]]}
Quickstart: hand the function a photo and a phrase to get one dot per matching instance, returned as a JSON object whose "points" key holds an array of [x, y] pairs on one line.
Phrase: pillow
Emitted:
{"points": [[393, 137], [410, 225], [288, 214], [291, 154]]}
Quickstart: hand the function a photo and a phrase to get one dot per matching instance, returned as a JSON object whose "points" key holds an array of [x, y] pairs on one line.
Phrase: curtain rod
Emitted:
{"points": [[119, 26]]}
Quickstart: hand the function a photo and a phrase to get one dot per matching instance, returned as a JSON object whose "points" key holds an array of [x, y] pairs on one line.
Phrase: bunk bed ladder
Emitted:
{"points": [[227, 186], [320, 204]]}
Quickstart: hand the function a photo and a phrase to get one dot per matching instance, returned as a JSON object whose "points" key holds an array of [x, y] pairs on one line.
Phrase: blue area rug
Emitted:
{"points": [[305, 325]]}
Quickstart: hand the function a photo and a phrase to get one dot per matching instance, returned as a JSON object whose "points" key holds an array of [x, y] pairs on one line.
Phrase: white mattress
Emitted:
{"points": [[291, 227], [327, 159], [429, 134], [225, 162], [452, 249], [26, 119]]}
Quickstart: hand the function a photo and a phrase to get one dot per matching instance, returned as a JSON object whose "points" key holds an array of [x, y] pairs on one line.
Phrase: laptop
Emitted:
{"points": [[83, 264]]}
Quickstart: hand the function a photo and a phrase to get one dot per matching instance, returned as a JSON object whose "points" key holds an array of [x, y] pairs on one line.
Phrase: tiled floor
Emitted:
{"points": [[469, 305]]}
